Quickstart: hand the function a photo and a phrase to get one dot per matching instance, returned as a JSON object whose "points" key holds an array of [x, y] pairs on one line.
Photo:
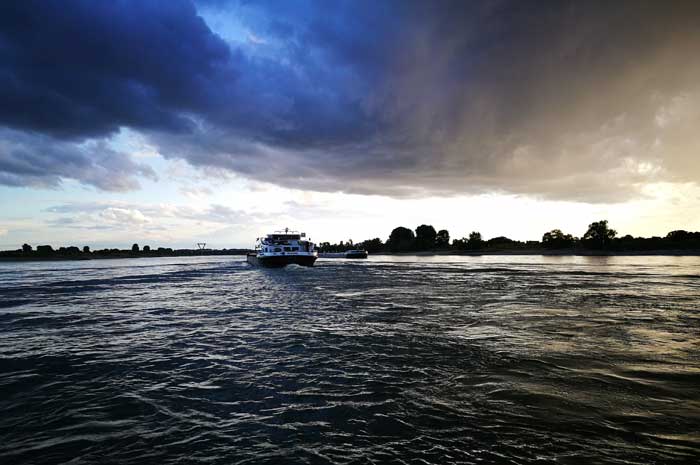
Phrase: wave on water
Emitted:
{"points": [[387, 360]]}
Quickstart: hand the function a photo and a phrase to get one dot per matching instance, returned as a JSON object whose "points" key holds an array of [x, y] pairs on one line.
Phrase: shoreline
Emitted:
{"points": [[116, 256], [554, 253], [534, 252]]}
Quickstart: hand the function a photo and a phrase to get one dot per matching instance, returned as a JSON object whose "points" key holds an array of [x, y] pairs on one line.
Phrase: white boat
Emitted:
{"points": [[283, 248]]}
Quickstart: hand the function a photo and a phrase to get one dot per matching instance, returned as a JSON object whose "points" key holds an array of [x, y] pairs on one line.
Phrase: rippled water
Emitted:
{"points": [[390, 360]]}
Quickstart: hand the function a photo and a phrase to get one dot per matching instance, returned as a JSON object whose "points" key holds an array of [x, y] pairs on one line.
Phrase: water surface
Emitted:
{"points": [[510, 359]]}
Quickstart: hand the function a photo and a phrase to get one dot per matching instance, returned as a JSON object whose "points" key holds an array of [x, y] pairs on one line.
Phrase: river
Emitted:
{"points": [[407, 360]]}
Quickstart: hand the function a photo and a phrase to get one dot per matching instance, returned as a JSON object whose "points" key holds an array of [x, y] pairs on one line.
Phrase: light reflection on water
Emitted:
{"points": [[404, 359]]}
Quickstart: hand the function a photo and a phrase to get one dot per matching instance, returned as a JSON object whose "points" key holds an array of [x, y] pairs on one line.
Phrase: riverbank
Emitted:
{"points": [[563, 252], [19, 256]]}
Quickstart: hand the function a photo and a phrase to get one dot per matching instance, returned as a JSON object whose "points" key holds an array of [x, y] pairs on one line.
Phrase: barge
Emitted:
{"points": [[283, 248]]}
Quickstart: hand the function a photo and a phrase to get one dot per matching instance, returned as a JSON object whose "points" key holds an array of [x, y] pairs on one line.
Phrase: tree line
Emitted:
{"points": [[47, 252], [598, 236]]}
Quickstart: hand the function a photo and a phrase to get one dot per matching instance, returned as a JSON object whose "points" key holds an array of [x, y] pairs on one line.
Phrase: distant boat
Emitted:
{"points": [[283, 248], [356, 254]]}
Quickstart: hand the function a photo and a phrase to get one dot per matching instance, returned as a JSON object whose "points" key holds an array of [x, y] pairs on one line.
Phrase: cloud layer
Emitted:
{"points": [[588, 101], [37, 160]]}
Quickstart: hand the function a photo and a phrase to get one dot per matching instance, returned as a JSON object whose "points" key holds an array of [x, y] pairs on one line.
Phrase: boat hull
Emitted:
{"points": [[356, 255], [280, 261]]}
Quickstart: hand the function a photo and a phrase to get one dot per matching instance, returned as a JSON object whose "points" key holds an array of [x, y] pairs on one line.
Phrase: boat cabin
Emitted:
{"points": [[285, 242], [283, 237]]}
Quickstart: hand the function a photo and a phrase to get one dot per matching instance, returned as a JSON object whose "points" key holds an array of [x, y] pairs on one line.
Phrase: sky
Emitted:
{"points": [[174, 122]]}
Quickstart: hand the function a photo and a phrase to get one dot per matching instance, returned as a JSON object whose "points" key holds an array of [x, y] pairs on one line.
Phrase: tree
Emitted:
{"points": [[146, 248], [44, 249], [460, 244], [135, 248], [683, 239], [475, 242], [678, 235], [401, 240], [373, 245], [500, 240], [555, 239], [442, 240], [86, 249], [599, 235], [425, 237], [26, 248]]}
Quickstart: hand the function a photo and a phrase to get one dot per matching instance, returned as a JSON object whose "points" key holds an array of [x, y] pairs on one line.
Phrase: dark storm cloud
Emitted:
{"points": [[568, 100], [41, 161], [84, 68]]}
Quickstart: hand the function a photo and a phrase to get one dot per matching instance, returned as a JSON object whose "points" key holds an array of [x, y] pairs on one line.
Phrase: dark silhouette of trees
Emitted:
{"points": [[475, 242], [335, 248], [44, 249], [683, 239], [682, 236], [425, 237], [401, 240], [372, 245], [555, 239], [47, 252], [460, 244], [674, 240], [442, 240], [501, 243], [599, 235]]}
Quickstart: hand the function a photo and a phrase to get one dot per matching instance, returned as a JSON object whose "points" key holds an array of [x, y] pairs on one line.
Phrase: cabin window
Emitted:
{"points": [[277, 249]]}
